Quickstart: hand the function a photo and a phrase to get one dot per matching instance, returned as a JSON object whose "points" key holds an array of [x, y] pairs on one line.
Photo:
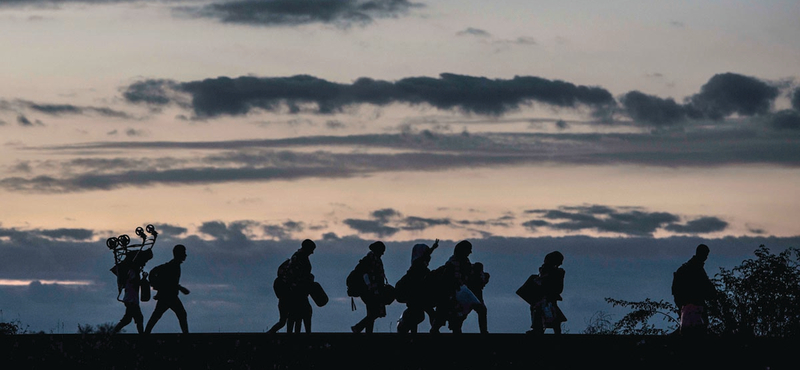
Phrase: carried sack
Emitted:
{"points": [[402, 290], [280, 285], [144, 286], [356, 286], [531, 291], [465, 301], [387, 294], [318, 294], [156, 278]]}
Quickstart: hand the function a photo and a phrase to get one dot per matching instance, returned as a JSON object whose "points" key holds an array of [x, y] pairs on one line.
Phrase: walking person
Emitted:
{"points": [[292, 286], [459, 300], [166, 279], [691, 288], [371, 268], [412, 287], [129, 279], [545, 312]]}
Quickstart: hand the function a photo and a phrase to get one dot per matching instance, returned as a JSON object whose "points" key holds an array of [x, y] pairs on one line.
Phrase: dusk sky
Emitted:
{"points": [[622, 133]]}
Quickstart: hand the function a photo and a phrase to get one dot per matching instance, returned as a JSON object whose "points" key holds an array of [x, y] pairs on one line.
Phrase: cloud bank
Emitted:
{"points": [[303, 93], [274, 13], [723, 95], [626, 221]]}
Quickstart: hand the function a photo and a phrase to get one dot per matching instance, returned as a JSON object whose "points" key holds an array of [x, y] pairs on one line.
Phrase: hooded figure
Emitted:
{"points": [[413, 290]]}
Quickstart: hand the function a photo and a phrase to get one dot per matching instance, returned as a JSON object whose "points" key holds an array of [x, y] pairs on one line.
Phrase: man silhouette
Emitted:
{"points": [[374, 277], [294, 307], [691, 288], [168, 289]]}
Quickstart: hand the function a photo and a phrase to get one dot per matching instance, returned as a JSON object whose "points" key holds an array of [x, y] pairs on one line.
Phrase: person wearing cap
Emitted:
{"points": [[375, 278], [418, 301], [167, 296]]}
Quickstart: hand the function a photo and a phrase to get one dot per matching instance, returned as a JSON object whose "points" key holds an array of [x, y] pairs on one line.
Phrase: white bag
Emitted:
{"points": [[465, 300]]}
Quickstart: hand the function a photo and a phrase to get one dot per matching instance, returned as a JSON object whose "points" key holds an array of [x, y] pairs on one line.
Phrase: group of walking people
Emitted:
{"points": [[447, 294]]}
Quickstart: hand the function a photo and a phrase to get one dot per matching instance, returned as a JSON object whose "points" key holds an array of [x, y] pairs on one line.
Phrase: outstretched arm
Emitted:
{"points": [[182, 289], [435, 245]]}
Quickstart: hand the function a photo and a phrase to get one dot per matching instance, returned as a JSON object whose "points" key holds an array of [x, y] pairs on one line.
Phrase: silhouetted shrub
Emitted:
{"points": [[760, 297]]}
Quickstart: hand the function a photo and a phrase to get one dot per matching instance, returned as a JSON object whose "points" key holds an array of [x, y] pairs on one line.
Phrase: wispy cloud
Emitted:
{"points": [[285, 159]]}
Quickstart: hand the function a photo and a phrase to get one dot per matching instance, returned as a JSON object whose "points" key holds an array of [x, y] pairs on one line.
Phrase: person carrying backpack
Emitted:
{"points": [[166, 279], [295, 279], [411, 289], [371, 268], [459, 300], [545, 312], [691, 288]]}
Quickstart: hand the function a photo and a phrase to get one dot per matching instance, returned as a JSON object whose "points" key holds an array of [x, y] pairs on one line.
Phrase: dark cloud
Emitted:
{"points": [[421, 223], [534, 225], [652, 109], [343, 13], [786, 120], [388, 221], [701, 225], [371, 227], [625, 220], [285, 230], [69, 234], [722, 96], [385, 215], [478, 95], [25, 122], [171, 230], [234, 232], [728, 93], [154, 92], [796, 99], [474, 32]]}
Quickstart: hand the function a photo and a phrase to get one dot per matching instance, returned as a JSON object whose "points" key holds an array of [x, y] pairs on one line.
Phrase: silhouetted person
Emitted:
{"points": [[459, 299], [169, 286], [418, 300], [691, 288], [129, 279], [293, 305], [545, 312], [476, 282], [371, 266]]}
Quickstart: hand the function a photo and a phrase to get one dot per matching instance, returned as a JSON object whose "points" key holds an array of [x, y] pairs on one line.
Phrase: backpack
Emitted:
{"points": [[156, 277], [402, 290], [531, 291], [281, 284], [356, 286]]}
